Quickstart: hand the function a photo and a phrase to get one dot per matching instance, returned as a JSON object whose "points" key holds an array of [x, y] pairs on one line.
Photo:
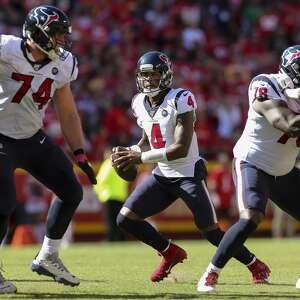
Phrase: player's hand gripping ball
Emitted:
{"points": [[128, 173]]}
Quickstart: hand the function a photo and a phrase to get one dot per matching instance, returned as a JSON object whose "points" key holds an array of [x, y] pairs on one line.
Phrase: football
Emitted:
{"points": [[128, 174]]}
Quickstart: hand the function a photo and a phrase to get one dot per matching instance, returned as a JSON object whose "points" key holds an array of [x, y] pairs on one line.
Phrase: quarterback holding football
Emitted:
{"points": [[167, 116]]}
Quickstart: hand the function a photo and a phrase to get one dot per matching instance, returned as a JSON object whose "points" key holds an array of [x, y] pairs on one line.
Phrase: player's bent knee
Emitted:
{"points": [[253, 215], [123, 222], [126, 212], [125, 216], [72, 196]]}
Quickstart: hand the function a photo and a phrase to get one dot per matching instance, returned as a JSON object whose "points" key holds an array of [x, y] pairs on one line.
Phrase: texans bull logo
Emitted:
{"points": [[164, 58], [290, 56], [46, 18]]}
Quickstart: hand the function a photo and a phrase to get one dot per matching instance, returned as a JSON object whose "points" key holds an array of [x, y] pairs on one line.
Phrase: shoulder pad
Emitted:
{"points": [[10, 42], [70, 66], [185, 102]]}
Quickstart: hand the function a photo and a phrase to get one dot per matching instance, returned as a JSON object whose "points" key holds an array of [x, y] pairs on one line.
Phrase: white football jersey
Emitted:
{"points": [[27, 87], [262, 145], [159, 124]]}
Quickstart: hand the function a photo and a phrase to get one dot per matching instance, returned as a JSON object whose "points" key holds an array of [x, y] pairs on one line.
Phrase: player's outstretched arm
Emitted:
{"points": [[71, 127], [279, 116]]}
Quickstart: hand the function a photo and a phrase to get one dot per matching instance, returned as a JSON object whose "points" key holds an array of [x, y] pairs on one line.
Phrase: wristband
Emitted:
{"points": [[136, 148], [80, 155], [154, 156], [78, 151]]}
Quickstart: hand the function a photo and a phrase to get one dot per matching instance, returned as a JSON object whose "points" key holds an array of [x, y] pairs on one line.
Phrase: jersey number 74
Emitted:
{"points": [[41, 97]]}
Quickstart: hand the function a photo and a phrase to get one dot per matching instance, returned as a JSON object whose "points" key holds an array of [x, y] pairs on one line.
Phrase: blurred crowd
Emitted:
{"points": [[216, 47]]}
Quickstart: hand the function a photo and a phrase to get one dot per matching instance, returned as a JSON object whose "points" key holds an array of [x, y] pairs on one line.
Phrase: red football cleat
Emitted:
{"points": [[171, 257], [208, 282], [260, 272]]}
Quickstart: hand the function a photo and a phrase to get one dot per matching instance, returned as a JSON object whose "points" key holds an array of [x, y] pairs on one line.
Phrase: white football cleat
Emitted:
{"points": [[6, 287], [298, 283], [207, 283], [53, 267]]}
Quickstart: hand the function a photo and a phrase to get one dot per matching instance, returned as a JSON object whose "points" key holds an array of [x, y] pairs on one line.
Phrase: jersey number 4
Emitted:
{"points": [[284, 138], [156, 137], [41, 97]]}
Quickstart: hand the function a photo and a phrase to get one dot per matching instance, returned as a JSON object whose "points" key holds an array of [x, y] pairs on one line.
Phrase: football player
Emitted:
{"points": [[34, 70], [167, 117], [264, 158]]}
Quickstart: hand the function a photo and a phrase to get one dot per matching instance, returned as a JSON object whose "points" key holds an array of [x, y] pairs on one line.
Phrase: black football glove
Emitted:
{"points": [[84, 164]]}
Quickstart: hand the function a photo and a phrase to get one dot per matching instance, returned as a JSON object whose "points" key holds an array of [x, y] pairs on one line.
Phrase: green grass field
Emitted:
{"points": [[122, 271]]}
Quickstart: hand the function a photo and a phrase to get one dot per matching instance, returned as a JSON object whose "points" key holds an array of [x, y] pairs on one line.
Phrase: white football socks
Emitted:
{"points": [[213, 268], [49, 246]]}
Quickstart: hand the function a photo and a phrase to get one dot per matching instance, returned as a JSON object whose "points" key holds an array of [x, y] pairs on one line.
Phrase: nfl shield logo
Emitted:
{"points": [[164, 113], [54, 71]]}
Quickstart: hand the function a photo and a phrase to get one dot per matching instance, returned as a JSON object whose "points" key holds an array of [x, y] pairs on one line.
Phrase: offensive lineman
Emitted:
{"points": [[33, 71], [167, 117], [265, 156]]}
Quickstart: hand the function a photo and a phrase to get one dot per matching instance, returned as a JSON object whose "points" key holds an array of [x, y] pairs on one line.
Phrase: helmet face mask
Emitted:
{"points": [[154, 73], [47, 27], [149, 81], [290, 64]]}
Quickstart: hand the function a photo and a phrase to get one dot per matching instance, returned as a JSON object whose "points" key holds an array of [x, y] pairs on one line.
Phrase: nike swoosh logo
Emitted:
{"points": [[184, 94], [3, 153], [42, 140]]}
